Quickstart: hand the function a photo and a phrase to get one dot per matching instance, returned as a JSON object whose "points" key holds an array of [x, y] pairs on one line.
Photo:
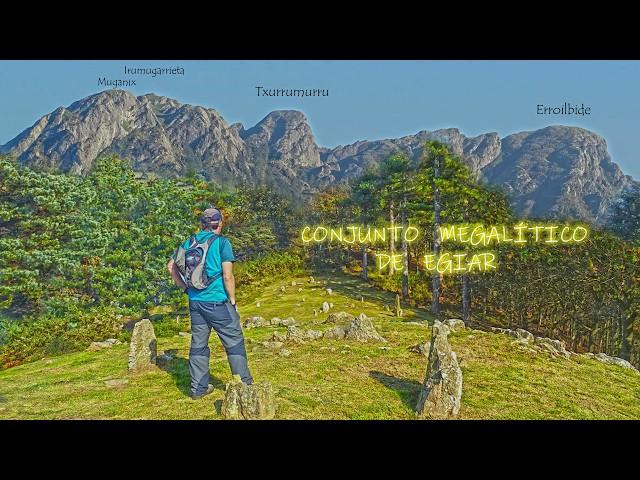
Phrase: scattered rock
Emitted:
{"points": [[184, 334], [604, 358], [166, 358], [257, 304], [249, 402], [297, 335], [256, 321], [311, 280], [554, 347], [108, 343], [387, 308], [284, 352], [442, 388], [360, 329], [143, 346], [278, 337], [339, 317], [116, 382], [362, 299], [325, 307], [300, 289], [315, 312], [278, 322], [272, 345], [454, 324], [293, 283], [421, 348], [330, 305], [419, 324], [329, 291], [283, 288]]}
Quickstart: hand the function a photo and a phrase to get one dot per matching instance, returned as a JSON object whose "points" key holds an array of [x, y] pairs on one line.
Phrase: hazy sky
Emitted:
{"points": [[367, 99]]}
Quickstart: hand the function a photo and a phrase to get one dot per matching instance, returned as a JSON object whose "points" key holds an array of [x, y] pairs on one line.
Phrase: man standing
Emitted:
{"points": [[213, 307]]}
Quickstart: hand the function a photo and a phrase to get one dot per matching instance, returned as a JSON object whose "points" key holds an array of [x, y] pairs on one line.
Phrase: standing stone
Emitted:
{"points": [[325, 307], [248, 402], [442, 388], [143, 346], [398, 309], [362, 299], [362, 330]]}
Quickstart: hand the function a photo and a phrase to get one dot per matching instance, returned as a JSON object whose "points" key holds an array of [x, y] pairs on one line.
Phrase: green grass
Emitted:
{"points": [[325, 379]]}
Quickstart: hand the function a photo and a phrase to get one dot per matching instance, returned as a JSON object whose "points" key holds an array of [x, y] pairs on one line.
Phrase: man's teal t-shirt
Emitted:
{"points": [[219, 251]]}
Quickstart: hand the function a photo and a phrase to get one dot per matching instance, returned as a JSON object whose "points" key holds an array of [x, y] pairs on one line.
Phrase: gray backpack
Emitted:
{"points": [[191, 263]]}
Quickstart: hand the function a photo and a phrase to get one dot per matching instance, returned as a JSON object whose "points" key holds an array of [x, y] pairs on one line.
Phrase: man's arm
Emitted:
{"points": [[175, 274], [229, 281]]}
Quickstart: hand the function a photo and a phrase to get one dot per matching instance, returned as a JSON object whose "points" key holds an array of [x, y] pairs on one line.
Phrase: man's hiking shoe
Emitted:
{"points": [[210, 389]]}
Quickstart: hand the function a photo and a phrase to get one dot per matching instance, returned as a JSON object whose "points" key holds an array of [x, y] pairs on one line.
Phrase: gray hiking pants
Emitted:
{"points": [[224, 319]]}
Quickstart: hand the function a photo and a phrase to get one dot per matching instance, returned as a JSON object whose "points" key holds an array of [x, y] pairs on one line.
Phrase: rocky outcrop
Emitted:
{"points": [[441, 391], [248, 402], [557, 171], [143, 346], [604, 358], [360, 329], [108, 343], [257, 321], [339, 317], [454, 324]]}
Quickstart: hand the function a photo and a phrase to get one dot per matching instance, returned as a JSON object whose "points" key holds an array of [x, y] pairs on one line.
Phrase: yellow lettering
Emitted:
{"points": [[430, 262], [551, 229], [463, 234], [586, 232], [565, 240], [318, 229], [383, 257], [379, 234], [520, 228], [406, 235], [306, 229], [481, 235], [447, 233]]}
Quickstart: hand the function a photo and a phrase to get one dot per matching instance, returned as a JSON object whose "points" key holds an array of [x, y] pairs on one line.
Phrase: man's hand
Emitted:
{"points": [[175, 274], [229, 281]]}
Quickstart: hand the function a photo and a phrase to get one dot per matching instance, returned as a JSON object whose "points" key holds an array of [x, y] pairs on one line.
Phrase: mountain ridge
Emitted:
{"points": [[556, 171]]}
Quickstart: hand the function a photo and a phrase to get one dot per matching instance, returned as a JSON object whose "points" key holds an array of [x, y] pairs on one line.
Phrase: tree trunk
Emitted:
{"points": [[435, 295], [365, 273], [392, 243], [625, 351], [466, 299], [405, 253]]}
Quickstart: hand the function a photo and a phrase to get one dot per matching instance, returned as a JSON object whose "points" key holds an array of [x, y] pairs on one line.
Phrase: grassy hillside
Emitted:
{"points": [[326, 379]]}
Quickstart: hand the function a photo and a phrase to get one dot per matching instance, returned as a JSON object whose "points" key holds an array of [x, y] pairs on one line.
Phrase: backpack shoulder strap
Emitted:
{"points": [[209, 280]]}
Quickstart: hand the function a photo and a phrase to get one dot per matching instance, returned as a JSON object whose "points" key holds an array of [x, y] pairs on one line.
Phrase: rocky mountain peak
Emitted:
{"points": [[556, 171], [287, 136]]}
